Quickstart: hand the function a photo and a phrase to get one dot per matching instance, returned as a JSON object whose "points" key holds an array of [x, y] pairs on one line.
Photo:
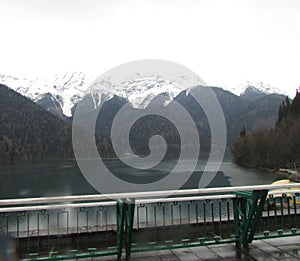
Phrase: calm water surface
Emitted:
{"points": [[56, 178]]}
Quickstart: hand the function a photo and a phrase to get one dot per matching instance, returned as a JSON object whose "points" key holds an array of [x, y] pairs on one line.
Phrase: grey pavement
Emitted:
{"points": [[285, 249]]}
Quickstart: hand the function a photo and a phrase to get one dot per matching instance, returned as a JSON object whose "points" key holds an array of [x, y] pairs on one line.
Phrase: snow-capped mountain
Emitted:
{"points": [[259, 87], [62, 92], [58, 93], [139, 92]]}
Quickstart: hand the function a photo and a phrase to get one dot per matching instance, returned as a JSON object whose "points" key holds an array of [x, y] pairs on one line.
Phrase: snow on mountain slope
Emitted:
{"points": [[29, 88], [62, 92], [66, 89], [259, 86], [140, 92], [71, 88]]}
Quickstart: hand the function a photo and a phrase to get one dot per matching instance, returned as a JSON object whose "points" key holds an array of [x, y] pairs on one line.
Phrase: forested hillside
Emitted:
{"points": [[237, 111], [9, 150], [30, 132], [272, 148]]}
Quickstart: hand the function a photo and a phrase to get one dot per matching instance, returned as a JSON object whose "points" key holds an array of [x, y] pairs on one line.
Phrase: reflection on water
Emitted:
{"points": [[42, 179], [54, 178]]}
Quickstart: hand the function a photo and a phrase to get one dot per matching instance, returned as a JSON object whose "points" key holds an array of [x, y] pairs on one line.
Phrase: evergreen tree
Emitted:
{"points": [[269, 148]]}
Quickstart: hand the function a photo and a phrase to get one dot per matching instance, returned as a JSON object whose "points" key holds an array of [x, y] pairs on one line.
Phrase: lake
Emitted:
{"points": [[57, 178]]}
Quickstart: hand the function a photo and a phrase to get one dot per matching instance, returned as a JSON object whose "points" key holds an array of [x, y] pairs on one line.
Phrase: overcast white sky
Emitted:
{"points": [[226, 42]]}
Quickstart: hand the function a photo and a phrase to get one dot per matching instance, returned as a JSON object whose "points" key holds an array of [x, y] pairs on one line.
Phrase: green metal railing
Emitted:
{"points": [[74, 227]]}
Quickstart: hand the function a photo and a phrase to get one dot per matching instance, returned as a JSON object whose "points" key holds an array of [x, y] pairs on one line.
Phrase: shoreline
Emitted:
{"points": [[295, 176], [289, 174]]}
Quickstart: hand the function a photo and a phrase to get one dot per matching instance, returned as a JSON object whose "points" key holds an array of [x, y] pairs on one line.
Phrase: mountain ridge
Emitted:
{"points": [[39, 133], [259, 87], [60, 94], [239, 113], [65, 89], [29, 132]]}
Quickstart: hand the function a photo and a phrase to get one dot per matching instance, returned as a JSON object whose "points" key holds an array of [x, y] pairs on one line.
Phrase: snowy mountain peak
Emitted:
{"points": [[258, 87], [66, 89], [60, 93], [67, 81], [140, 92]]}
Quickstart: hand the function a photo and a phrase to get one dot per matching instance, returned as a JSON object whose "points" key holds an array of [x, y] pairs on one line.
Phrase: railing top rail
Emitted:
{"points": [[108, 203], [57, 206], [142, 195]]}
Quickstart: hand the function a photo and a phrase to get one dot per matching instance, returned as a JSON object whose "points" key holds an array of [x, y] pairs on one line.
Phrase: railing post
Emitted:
{"points": [[120, 226], [125, 216], [257, 208], [239, 209], [248, 208], [129, 225]]}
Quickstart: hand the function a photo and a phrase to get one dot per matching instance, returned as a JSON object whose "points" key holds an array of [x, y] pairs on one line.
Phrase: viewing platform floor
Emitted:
{"points": [[284, 249]]}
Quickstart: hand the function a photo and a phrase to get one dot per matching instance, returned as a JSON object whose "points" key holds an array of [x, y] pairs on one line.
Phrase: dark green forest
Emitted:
{"points": [[28, 132], [9, 150], [275, 147]]}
